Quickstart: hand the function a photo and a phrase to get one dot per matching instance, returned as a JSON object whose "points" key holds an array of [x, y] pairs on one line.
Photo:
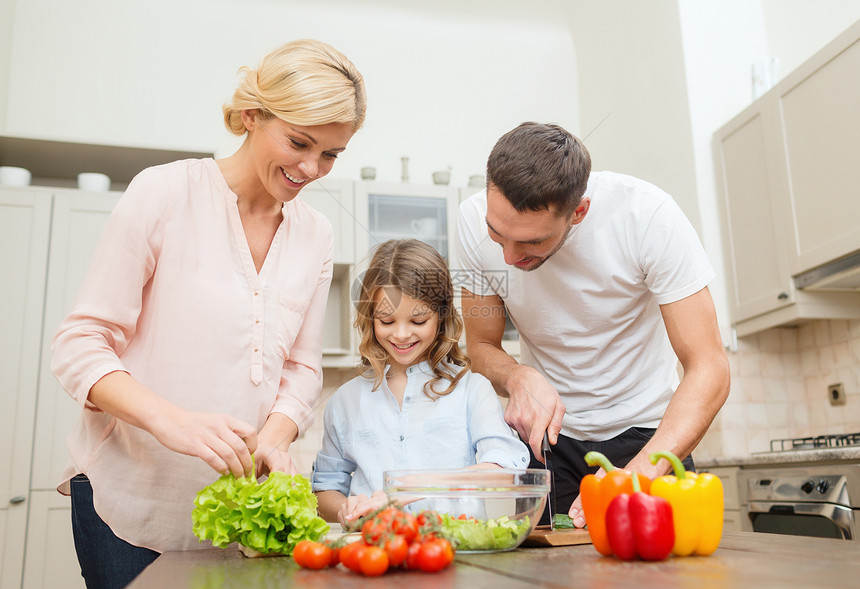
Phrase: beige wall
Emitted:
{"points": [[779, 388], [634, 113], [798, 28], [442, 85]]}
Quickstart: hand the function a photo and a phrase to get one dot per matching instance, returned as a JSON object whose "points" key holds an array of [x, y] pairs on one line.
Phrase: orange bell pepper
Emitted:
{"points": [[597, 493]]}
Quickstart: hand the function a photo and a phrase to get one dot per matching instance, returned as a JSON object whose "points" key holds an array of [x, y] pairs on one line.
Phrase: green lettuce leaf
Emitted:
{"points": [[269, 517]]}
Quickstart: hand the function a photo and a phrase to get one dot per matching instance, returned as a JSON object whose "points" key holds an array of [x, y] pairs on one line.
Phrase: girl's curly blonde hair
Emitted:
{"points": [[418, 271]]}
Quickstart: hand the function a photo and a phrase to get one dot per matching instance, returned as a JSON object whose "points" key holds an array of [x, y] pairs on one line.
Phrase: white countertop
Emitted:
{"points": [[816, 455]]}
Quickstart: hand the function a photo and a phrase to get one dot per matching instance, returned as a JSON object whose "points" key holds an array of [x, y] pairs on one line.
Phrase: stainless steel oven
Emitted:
{"points": [[809, 500]]}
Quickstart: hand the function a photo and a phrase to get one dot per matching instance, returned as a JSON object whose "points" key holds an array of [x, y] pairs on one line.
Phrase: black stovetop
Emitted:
{"points": [[812, 442]]}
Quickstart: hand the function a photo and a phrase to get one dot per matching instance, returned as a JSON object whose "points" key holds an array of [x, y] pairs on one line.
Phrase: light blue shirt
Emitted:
{"points": [[366, 433]]}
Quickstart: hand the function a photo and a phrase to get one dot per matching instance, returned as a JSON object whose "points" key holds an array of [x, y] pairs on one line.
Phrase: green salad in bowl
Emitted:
{"points": [[482, 510]]}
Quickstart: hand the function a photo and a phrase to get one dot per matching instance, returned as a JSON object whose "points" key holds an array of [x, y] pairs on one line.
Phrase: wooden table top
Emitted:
{"points": [[744, 559]]}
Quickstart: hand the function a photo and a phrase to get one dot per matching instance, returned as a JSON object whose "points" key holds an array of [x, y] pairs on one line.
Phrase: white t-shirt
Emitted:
{"points": [[589, 317]]}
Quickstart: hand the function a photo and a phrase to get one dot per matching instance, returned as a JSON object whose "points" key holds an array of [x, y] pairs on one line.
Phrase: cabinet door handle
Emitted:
{"points": [[783, 296], [17, 500]]}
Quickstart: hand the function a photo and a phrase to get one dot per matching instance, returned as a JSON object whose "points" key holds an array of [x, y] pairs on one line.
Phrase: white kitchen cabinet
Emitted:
{"points": [[787, 175], [756, 242], [25, 217], [820, 130], [336, 200], [51, 559], [339, 346], [78, 221]]}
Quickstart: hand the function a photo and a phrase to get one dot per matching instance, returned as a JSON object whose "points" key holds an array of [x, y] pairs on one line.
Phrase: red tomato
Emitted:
{"points": [[335, 557], [373, 531], [412, 554], [429, 518], [435, 555], [351, 554], [388, 514], [405, 525], [312, 555], [373, 561], [396, 547], [300, 552]]}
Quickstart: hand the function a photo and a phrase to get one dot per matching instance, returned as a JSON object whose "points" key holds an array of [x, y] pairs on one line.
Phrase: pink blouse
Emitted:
{"points": [[173, 298]]}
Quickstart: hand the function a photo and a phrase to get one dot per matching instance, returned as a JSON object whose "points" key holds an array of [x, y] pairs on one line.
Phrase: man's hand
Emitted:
{"points": [[575, 512], [534, 407]]}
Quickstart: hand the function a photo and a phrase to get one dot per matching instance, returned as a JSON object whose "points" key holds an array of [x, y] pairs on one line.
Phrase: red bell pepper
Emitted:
{"points": [[597, 493], [640, 525]]}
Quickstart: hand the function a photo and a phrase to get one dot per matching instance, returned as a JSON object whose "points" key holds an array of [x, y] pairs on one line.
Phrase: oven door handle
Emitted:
{"points": [[841, 516]]}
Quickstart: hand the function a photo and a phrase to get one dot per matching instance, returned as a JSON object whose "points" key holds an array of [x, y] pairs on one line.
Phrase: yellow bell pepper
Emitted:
{"points": [[697, 506]]}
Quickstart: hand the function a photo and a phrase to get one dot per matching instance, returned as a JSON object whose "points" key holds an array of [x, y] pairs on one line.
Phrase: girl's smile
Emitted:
{"points": [[405, 327]]}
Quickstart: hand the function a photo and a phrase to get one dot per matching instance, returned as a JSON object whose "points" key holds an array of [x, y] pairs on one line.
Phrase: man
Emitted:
{"points": [[606, 282]]}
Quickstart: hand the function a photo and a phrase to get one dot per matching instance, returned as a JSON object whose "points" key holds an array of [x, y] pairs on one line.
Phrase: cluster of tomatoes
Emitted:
{"points": [[390, 538]]}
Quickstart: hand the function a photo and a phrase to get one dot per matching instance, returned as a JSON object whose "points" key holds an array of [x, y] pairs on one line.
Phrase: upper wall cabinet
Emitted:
{"points": [[760, 280], [787, 170], [819, 115]]}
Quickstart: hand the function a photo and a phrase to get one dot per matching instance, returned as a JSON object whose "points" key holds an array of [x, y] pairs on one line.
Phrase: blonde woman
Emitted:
{"points": [[196, 336], [416, 403]]}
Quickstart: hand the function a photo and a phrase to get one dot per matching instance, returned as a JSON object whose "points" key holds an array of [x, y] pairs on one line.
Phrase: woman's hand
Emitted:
{"points": [[358, 505], [270, 458], [221, 441], [273, 447]]}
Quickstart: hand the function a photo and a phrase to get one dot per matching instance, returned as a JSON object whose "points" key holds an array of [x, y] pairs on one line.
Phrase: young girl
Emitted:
{"points": [[416, 404]]}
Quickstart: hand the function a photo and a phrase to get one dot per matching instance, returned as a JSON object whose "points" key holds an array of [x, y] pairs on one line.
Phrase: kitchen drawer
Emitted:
{"points": [[732, 520]]}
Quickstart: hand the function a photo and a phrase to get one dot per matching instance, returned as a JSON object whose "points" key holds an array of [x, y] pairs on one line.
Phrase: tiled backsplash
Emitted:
{"points": [[779, 388]]}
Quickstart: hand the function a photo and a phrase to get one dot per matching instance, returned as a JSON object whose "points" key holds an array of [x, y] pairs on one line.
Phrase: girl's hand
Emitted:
{"points": [[356, 506], [221, 441]]}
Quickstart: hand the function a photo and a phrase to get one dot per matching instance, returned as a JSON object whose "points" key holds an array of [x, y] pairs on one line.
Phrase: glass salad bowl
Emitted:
{"points": [[482, 510]]}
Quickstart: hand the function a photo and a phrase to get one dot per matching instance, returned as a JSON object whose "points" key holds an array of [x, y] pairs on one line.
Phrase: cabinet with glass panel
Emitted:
{"points": [[386, 211]]}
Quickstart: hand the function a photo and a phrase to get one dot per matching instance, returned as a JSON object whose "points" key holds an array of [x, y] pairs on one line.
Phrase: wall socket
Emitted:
{"points": [[836, 393]]}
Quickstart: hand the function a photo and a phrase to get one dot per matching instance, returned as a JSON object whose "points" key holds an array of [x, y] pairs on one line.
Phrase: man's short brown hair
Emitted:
{"points": [[540, 167]]}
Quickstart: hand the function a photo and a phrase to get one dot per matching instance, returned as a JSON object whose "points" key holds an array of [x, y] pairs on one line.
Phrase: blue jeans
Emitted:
{"points": [[569, 465], [106, 561]]}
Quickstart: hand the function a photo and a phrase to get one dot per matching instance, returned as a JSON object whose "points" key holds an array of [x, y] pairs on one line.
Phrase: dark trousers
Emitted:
{"points": [[106, 561], [569, 467]]}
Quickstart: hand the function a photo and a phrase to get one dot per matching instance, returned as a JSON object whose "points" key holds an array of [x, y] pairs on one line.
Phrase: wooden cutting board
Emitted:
{"points": [[544, 536]]}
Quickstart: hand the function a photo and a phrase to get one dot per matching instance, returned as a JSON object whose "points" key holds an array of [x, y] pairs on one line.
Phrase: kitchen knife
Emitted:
{"points": [[546, 450]]}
